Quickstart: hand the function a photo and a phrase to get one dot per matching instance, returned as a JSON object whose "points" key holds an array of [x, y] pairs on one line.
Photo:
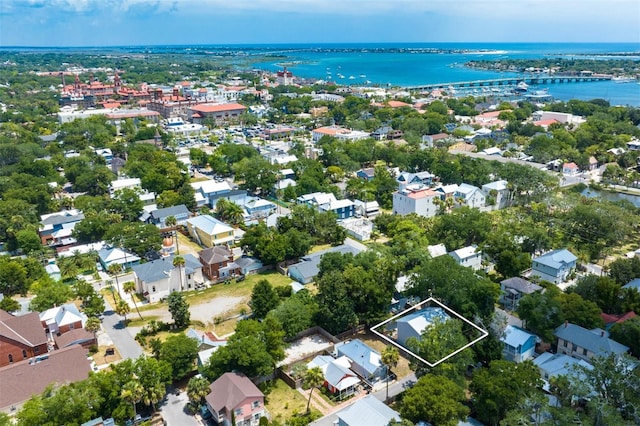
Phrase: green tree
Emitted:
{"points": [[49, 293], [130, 288], [628, 333], [541, 313], [13, 277], [179, 262], [228, 211], [251, 350], [435, 399], [122, 309], [28, 241], [501, 387], [115, 269], [179, 309], [126, 202], [140, 238], [335, 309], [312, 378], [180, 352], [132, 393], [9, 304], [197, 389], [92, 325], [263, 299], [295, 313], [389, 357]]}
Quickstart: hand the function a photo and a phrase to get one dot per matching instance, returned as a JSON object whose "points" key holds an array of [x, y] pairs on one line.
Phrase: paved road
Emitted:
{"points": [[174, 409], [121, 337]]}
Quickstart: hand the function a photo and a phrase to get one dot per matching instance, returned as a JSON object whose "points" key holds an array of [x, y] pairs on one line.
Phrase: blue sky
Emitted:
{"points": [[150, 22]]}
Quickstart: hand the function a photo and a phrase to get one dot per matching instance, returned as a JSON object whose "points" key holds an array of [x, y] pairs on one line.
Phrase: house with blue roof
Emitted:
{"points": [[306, 270], [554, 365], [470, 196], [109, 255], [581, 343], [555, 266], [518, 344], [156, 279], [413, 325], [633, 284], [365, 361], [158, 217]]}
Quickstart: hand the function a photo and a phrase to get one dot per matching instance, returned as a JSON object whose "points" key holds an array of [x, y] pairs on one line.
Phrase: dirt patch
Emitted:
{"points": [[204, 312]]}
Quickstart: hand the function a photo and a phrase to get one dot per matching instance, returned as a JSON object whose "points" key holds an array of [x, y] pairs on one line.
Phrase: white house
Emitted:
{"points": [[555, 266], [416, 199], [498, 191], [470, 196], [156, 279], [468, 256]]}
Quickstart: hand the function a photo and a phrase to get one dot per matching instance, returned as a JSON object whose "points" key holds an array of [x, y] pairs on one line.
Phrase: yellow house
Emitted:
{"points": [[209, 231]]}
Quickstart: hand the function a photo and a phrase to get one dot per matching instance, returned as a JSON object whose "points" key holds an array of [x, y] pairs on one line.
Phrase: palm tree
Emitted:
{"points": [[130, 288], [178, 262], [229, 211], [313, 377], [197, 389], [171, 222], [132, 392], [154, 394], [92, 325], [123, 308], [389, 357], [68, 269], [115, 269]]}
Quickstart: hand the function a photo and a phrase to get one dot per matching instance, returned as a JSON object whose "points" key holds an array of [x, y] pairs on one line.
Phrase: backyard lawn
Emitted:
{"points": [[282, 402], [402, 369]]}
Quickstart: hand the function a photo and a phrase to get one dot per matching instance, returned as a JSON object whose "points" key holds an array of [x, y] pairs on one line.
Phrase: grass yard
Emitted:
{"points": [[185, 245], [282, 402], [236, 289], [402, 369]]}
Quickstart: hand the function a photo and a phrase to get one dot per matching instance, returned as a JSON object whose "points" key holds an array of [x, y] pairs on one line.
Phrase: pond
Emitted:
{"points": [[611, 196]]}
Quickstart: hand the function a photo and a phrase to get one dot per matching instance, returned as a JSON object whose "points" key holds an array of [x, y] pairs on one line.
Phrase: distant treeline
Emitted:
{"points": [[561, 65]]}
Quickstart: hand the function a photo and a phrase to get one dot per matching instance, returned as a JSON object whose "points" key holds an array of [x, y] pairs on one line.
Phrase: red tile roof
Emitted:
{"points": [[612, 318], [208, 108], [397, 104]]}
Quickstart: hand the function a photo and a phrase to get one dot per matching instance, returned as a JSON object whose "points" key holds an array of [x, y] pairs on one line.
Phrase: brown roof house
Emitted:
{"points": [[234, 396], [21, 380], [21, 337], [217, 263]]}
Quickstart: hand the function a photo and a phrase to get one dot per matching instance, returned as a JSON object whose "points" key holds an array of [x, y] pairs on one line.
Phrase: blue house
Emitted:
{"points": [[633, 284], [555, 266], [368, 411], [366, 174], [365, 361], [518, 345], [159, 217]]}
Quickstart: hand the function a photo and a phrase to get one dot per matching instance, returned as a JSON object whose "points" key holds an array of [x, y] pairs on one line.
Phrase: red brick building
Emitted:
{"points": [[21, 337]]}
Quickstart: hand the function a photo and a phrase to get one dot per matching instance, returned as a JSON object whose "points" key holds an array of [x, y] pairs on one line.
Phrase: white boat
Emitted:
{"points": [[622, 79], [521, 87], [351, 77], [363, 76]]}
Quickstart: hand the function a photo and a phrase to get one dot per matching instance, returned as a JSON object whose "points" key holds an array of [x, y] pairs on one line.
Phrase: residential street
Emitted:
{"points": [[122, 339]]}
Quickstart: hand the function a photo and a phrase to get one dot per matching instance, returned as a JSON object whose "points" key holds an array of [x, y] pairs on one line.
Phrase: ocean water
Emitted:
{"points": [[411, 65]]}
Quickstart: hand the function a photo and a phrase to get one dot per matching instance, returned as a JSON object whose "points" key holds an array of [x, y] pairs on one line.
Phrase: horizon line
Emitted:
{"points": [[310, 43]]}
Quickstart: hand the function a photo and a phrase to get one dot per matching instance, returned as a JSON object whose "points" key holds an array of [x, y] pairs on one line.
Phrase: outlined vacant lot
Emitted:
{"points": [[473, 332]]}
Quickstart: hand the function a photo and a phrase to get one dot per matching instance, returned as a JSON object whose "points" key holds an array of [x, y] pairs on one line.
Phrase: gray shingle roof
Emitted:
{"points": [[170, 211], [594, 341], [158, 269], [521, 285]]}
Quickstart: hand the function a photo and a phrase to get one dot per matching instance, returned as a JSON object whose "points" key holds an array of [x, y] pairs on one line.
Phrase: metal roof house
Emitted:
{"points": [[306, 270], [581, 343], [555, 266], [365, 361], [518, 345], [413, 325]]}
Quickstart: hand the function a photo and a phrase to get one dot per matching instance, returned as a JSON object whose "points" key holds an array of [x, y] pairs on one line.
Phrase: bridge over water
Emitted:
{"points": [[510, 81]]}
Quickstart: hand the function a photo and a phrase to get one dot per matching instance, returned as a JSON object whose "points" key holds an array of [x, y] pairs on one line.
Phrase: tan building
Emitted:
{"points": [[220, 113]]}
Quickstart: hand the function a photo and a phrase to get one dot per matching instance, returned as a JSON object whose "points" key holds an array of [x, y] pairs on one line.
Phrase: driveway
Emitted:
{"points": [[120, 335], [174, 409]]}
